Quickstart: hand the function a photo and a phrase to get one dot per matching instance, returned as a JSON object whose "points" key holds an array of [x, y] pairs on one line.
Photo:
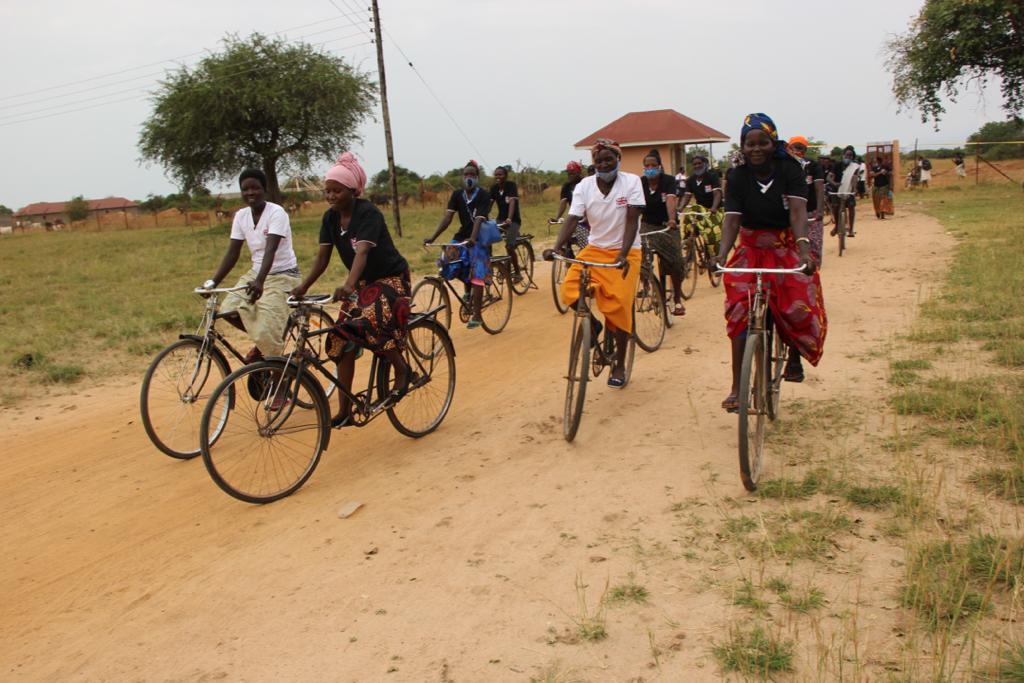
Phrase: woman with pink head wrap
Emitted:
{"points": [[375, 296]]}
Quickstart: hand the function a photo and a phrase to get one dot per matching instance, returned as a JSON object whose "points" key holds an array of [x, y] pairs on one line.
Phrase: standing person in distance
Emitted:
{"points": [[681, 181], [881, 188], [925, 176], [505, 196], [798, 146], [961, 168], [660, 211], [612, 201]]}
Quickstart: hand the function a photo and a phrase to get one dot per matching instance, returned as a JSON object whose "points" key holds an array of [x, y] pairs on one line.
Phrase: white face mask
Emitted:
{"points": [[609, 176]]}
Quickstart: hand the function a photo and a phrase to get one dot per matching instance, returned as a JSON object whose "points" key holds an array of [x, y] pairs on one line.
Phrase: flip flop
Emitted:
{"points": [[616, 383], [731, 404], [473, 324], [339, 421], [679, 311]]}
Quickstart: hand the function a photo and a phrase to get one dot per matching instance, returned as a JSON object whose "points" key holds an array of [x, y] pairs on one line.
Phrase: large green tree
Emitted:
{"points": [[260, 102], [953, 43]]}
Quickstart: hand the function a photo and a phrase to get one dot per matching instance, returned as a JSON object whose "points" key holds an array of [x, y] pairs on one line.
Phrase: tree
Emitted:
{"points": [[953, 43], [997, 131], [266, 103], [77, 209], [4, 211], [408, 181]]}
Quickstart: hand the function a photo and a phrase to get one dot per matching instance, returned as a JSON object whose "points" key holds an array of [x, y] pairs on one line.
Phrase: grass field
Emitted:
{"points": [[85, 305]]}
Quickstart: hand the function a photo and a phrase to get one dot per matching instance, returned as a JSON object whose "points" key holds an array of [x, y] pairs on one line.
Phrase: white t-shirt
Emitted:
{"points": [[607, 215], [273, 221]]}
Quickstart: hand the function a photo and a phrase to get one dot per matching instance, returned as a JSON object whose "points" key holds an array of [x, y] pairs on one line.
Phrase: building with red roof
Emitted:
{"points": [[56, 212], [665, 130]]}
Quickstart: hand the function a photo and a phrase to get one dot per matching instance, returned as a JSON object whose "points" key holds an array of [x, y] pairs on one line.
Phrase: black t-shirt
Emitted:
{"points": [[468, 206], [367, 225], [656, 211], [765, 206], [500, 196], [813, 172], [882, 179], [702, 187], [567, 189]]}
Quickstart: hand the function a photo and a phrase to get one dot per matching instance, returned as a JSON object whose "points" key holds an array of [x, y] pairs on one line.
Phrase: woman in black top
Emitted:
{"points": [[505, 196], [378, 276], [766, 207], [881, 181], [580, 236], [660, 211], [704, 185]]}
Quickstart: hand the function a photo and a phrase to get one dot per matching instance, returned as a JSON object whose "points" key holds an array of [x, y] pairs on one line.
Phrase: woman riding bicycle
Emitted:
{"points": [[378, 277], [766, 206], [660, 211], [472, 205], [612, 201], [505, 196]]}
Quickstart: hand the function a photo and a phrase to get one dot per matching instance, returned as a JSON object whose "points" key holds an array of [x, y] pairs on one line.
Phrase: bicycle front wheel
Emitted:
{"points": [[430, 293], [753, 410], [690, 266], [648, 314], [524, 255], [579, 374], [430, 355], [274, 430], [496, 308], [174, 391], [780, 354], [558, 271], [841, 229]]}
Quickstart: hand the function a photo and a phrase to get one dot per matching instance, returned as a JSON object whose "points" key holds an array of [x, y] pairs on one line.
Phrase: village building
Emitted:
{"points": [[50, 213]]}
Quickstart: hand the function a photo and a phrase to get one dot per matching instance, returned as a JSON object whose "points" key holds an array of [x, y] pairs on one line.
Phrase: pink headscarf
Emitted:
{"points": [[348, 172]]}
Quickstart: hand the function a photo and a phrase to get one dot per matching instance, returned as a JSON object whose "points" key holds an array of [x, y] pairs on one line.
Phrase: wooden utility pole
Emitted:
{"points": [[393, 177]]}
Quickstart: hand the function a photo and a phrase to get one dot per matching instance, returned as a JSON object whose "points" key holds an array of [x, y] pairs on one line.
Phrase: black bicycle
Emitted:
{"points": [[432, 293], [266, 424], [700, 243], [178, 382], [522, 281], [650, 319], [842, 208]]}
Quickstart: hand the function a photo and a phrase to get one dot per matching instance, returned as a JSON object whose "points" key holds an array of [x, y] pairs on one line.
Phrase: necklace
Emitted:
{"points": [[764, 186]]}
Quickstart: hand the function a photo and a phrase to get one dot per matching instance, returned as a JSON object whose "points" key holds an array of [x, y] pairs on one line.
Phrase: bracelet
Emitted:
{"points": [[803, 239]]}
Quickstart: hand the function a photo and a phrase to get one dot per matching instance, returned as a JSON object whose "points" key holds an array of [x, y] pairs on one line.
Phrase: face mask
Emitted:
{"points": [[699, 171], [469, 182], [651, 173], [609, 176]]}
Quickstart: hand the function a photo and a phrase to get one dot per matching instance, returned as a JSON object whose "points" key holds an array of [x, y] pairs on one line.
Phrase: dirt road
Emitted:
{"points": [[122, 564]]}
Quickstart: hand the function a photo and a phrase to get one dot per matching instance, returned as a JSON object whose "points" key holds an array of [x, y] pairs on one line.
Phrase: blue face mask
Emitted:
{"points": [[651, 173], [469, 182], [609, 176]]}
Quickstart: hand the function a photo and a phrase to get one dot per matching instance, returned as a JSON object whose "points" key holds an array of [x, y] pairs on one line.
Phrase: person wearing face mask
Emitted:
{"points": [[471, 204], [846, 174], [766, 208], [611, 200], [815, 194], [660, 211]]}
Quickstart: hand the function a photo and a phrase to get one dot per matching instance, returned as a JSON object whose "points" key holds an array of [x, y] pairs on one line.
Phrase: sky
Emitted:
{"points": [[522, 80]]}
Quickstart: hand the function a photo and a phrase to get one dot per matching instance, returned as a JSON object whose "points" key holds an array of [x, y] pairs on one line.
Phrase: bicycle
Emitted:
{"points": [[843, 212], [172, 394], [764, 361], [650, 317], [559, 268], [496, 307], [699, 247], [525, 257], [273, 418], [580, 347]]}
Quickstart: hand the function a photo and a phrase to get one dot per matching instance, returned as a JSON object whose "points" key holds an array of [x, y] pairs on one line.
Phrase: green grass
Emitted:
{"points": [[746, 595], [1005, 483], [879, 496], [808, 601], [628, 592], [1011, 665], [754, 652], [788, 489]]}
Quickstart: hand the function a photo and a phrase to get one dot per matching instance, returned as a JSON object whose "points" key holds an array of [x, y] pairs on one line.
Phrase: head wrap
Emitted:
{"points": [[256, 173], [472, 163], [604, 143], [349, 173], [574, 167], [763, 122], [799, 139]]}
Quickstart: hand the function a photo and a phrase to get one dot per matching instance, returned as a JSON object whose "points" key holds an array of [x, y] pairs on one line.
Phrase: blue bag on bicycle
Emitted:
{"points": [[489, 234], [454, 263]]}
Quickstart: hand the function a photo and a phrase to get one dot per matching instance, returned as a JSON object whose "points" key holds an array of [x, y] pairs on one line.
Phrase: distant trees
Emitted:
{"points": [[4, 211], [996, 131], [77, 209], [261, 102]]}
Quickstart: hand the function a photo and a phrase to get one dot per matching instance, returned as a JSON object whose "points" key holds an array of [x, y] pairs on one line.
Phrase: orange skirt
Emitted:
{"points": [[613, 293]]}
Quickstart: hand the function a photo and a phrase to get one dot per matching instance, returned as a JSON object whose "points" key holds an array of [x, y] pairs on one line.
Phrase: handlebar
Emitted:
{"points": [[655, 232], [842, 194], [309, 300], [558, 222], [445, 244], [219, 290], [589, 264], [764, 271]]}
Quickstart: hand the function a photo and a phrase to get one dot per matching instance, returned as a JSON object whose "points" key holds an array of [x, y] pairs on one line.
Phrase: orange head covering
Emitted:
{"points": [[798, 140]]}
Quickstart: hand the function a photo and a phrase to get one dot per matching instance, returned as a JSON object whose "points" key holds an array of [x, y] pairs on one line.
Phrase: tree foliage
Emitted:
{"points": [[77, 209], [5, 211], [260, 102], [953, 43], [997, 131]]}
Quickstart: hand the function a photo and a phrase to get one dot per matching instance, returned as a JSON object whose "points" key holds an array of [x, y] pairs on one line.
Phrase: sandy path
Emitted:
{"points": [[124, 564]]}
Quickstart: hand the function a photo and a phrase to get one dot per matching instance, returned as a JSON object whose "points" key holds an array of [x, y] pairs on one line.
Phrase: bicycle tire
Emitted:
{"points": [[648, 314], [243, 461], [558, 272], [180, 439], [496, 308], [714, 275], [524, 254], [690, 267], [431, 356], [780, 353], [428, 294], [664, 282], [752, 401], [577, 377], [627, 364]]}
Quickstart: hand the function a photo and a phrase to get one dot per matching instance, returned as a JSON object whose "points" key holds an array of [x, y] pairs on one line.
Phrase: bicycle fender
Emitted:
{"points": [[215, 351]]}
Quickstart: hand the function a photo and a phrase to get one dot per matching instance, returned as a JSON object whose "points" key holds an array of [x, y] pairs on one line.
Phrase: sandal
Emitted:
{"points": [[680, 311], [473, 324], [731, 404], [616, 383], [340, 421], [794, 373]]}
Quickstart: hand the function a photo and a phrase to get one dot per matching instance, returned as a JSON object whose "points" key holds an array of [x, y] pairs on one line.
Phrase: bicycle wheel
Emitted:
{"points": [[558, 271], [496, 308], [690, 266], [320, 320], [648, 314], [841, 230], [270, 443], [174, 392], [428, 294], [431, 357], [780, 354], [579, 374], [664, 283], [524, 254], [752, 409], [714, 275], [630, 355]]}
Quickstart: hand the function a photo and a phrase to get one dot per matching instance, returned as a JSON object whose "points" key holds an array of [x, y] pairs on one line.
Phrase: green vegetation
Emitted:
{"points": [[630, 591], [77, 208], [754, 652]]}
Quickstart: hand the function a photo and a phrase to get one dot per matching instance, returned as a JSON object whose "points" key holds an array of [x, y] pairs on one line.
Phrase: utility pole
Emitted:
{"points": [[387, 119]]}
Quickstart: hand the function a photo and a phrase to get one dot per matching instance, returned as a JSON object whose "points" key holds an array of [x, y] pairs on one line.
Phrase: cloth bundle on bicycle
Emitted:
{"points": [[468, 264], [489, 233]]}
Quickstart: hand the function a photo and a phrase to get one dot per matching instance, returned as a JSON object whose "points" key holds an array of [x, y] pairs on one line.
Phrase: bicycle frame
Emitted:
{"points": [[583, 314]]}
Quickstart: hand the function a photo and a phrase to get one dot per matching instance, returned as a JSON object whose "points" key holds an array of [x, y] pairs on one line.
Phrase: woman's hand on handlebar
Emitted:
{"points": [[343, 292], [298, 292]]}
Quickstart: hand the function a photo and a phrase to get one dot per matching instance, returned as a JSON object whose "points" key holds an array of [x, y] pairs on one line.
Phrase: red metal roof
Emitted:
{"points": [[47, 208], [661, 126]]}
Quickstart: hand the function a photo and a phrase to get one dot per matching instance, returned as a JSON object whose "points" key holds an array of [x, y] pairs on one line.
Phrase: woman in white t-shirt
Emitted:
{"points": [[612, 201], [262, 310]]}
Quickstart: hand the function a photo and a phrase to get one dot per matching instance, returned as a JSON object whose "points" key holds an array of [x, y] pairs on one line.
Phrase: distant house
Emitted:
{"points": [[55, 212], [665, 130]]}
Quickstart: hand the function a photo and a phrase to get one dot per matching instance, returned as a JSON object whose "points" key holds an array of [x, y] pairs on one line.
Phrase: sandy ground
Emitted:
{"points": [[122, 564]]}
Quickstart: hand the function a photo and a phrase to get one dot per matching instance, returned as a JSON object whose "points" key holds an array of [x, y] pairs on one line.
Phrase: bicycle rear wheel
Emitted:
{"points": [[174, 392], [430, 356], [690, 266], [579, 374], [558, 271], [779, 356], [841, 229], [524, 254], [753, 410], [709, 252], [270, 443], [496, 308], [648, 314], [428, 294], [665, 284]]}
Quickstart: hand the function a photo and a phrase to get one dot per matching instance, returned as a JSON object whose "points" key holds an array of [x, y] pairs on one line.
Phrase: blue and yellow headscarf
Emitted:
{"points": [[764, 122]]}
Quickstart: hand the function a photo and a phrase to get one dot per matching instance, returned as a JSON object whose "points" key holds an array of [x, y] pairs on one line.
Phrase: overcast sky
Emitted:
{"points": [[523, 79]]}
